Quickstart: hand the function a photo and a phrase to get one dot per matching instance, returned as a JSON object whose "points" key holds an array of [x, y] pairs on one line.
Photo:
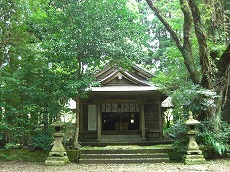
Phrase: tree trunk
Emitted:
{"points": [[75, 143], [206, 68], [185, 49], [79, 72], [212, 80], [221, 87]]}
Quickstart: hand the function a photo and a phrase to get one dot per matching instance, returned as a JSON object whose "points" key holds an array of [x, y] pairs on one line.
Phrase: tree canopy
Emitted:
{"points": [[205, 50], [49, 50]]}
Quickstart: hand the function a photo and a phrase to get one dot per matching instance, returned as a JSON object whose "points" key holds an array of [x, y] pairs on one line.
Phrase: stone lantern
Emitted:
{"points": [[194, 154], [57, 155]]}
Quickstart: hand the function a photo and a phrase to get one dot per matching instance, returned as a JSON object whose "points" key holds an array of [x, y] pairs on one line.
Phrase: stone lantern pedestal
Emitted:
{"points": [[194, 154], [57, 155]]}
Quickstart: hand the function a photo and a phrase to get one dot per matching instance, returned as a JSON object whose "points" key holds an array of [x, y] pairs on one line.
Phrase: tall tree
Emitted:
{"points": [[13, 38], [28, 88], [214, 62], [79, 35]]}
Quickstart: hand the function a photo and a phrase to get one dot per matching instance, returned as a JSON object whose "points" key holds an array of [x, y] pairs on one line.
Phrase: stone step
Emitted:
{"points": [[119, 155], [121, 138], [125, 156], [124, 161], [123, 151], [122, 143]]}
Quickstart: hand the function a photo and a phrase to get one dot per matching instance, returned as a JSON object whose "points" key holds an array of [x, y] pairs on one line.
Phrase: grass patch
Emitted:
{"points": [[32, 156], [23, 155]]}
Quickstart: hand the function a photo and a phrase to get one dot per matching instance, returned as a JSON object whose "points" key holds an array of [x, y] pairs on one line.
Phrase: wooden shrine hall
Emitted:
{"points": [[126, 107]]}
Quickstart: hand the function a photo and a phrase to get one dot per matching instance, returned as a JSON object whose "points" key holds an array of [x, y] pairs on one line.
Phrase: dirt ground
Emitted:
{"points": [[222, 165]]}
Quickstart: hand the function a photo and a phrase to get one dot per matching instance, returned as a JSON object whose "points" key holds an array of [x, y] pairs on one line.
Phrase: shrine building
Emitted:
{"points": [[125, 107]]}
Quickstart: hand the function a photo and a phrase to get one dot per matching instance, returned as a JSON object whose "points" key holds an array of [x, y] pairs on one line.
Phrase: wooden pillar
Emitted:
{"points": [[142, 122], [99, 118], [81, 121], [160, 120]]}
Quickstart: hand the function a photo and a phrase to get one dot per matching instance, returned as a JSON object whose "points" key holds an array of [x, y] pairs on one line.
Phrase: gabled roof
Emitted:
{"points": [[118, 79], [135, 69], [120, 75]]}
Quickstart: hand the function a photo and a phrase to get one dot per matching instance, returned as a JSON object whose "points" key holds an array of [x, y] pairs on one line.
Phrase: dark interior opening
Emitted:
{"points": [[120, 121]]}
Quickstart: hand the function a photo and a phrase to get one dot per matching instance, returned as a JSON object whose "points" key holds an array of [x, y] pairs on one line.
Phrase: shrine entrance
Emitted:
{"points": [[120, 118], [120, 122]]}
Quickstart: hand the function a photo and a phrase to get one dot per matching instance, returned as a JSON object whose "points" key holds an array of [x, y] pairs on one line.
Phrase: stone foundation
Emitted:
{"points": [[194, 159], [57, 161]]}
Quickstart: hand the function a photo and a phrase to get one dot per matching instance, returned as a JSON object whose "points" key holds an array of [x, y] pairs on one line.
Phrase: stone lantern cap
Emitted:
{"points": [[58, 122], [191, 121]]}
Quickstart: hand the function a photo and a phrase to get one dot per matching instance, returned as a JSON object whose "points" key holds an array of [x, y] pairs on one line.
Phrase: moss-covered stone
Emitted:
{"points": [[194, 159], [57, 161]]}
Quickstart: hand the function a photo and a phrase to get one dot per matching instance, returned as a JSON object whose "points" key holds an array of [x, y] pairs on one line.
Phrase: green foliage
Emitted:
{"points": [[171, 72], [217, 144], [26, 94], [23, 155], [186, 96], [77, 36], [190, 97], [42, 140], [98, 28], [212, 144], [178, 132], [73, 155], [49, 51], [12, 145]]}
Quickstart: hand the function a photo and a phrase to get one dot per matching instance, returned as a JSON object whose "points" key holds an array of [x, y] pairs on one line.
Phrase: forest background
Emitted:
{"points": [[50, 50]]}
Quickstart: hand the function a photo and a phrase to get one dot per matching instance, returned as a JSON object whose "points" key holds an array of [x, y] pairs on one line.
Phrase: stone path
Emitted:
{"points": [[222, 165]]}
